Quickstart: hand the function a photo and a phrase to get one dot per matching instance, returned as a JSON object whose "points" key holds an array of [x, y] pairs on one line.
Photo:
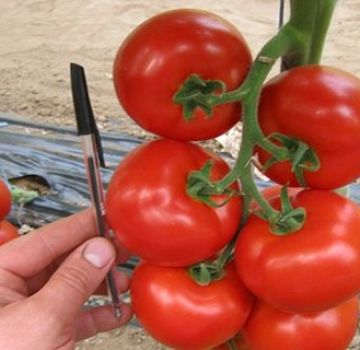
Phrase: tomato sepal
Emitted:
{"points": [[301, 155], [196, 92], [288, 220], [206, 272], [200, 187]]}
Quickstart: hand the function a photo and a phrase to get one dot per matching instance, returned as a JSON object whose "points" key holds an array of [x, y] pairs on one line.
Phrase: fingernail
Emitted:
{"points": [[98, 252]]}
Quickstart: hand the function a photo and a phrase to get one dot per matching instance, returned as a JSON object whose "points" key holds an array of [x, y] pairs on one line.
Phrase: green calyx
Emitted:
{"points": [[288, 219], [301, 156], [196, 92], [206, 272], [201, 188]]}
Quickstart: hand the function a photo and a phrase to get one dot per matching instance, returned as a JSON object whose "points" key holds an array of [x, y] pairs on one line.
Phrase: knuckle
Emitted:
{"points": [[75, 278]]}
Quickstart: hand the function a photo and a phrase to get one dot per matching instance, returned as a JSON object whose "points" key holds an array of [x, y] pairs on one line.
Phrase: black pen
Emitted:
{"points": [[90, 146]]}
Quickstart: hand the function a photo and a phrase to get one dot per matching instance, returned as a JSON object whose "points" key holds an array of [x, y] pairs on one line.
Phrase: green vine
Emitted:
{"points": [[299, 42]]}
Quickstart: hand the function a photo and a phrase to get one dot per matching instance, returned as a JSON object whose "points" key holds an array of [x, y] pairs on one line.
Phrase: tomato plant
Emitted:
{"points": [[7, 231], [5, 200], [148, 207], [301, 251], [309, 270], [158, 56], [320, 106], [183, 315], [270, 329]]}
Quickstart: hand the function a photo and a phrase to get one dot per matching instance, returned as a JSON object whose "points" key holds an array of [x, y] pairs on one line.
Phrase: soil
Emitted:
{"points": [[40, 38]]}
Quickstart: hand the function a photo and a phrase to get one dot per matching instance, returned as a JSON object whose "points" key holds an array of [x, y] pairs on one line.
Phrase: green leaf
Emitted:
{"points": [[22, 196]]}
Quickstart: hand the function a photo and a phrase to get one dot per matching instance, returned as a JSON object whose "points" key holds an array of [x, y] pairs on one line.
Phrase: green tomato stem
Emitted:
{"points": [[231, 344], [295, 43], [308, 25], [252, 134], [311, 18]]}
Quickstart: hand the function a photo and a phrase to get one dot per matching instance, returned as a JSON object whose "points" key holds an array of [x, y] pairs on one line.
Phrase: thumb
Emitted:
{"points": [[77, 278]]}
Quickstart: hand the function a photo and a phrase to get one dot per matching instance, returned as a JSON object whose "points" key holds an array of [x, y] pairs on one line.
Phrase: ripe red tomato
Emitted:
{"points": [[320, 106], [176, 311], [7, 231], [312, 269], [153, 217], [5, 200], [158, 56], [270, 329]]}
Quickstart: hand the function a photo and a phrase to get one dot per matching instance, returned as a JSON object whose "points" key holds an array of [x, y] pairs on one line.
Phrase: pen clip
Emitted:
{"points": [[83, 111]]}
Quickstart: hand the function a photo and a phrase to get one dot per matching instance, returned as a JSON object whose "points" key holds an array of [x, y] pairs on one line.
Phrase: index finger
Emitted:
{"points": [[31, 253]]}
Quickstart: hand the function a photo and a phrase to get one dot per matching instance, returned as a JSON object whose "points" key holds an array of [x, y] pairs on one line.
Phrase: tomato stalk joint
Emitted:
{"points": [[204, 94], [201, 188], [206, 272], [288, 219], [301, 156]]}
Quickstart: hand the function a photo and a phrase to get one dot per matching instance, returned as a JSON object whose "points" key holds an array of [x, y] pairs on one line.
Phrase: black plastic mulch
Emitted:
{"points": [[28, 148]]}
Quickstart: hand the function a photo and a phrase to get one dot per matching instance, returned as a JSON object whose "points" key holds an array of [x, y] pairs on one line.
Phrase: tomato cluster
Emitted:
{"points": [[7, 230], [295, 290]]}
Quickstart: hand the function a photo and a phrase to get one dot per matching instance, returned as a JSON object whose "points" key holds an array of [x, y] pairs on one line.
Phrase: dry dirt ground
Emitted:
{"points": [[39, 39]]}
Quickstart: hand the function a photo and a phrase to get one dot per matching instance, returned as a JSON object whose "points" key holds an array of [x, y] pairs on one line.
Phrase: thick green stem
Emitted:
{"points": [[320, 29], [227, 254], [308, 25], [251, 133], [311, 20]]}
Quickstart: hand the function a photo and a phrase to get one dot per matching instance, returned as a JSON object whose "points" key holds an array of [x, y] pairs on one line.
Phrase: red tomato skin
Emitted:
{"points": [[270, 329], [153, 217], [7, 231], [179, 313], [158, 56], [320, 106], [5, 200], [312, 269]]}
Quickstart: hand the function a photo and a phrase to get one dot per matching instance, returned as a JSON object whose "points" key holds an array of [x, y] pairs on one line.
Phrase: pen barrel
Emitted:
{"points": [[87, 129], [98, 199], [95, 183]]}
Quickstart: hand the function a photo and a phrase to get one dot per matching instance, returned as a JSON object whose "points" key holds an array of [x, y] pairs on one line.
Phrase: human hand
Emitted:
{"points": [[45, 278]]}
